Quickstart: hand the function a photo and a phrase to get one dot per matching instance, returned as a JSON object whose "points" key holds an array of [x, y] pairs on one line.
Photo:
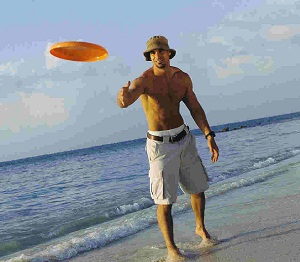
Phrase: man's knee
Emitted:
{"points": [[198, 195], [164, 208]]}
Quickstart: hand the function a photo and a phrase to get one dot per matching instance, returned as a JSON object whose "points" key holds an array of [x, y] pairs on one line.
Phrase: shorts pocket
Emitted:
{"points": [[156, 184], [151, 149]]}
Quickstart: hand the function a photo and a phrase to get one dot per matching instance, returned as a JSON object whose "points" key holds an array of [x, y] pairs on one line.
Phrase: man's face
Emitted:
{"points": [[160, 57]]}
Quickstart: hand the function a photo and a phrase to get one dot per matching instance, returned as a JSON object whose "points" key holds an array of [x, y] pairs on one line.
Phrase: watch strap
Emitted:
{"points": [[211, 133]]}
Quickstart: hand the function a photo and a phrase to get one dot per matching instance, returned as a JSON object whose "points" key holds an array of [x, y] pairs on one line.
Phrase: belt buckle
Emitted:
{"points": [[172, 139]]}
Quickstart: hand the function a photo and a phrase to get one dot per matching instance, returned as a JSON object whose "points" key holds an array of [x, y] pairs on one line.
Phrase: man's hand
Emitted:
{"points": [[124, 96], [213, 148]]}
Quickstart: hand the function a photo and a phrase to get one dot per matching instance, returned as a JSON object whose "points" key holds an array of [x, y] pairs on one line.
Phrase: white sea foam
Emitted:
{"points": [[296, 152], [264, 163], [91, 238], [125, 209]]}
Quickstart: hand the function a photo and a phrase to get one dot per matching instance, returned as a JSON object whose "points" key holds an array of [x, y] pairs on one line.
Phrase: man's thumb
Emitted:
{"points": [[127, 84]]}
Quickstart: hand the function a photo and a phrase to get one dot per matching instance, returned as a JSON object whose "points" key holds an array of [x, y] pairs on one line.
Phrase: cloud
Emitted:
{"points": [[251, 43], [11, 68], [237, 60], [281, 2], [232, 66], [43, 92], [281, 32], [218, 40], [223, 72], [250, 53], [50, 61], [31, 111]]}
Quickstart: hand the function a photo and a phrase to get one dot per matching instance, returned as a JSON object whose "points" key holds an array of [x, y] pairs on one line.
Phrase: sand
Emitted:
{"points": [[267, 229], [260, 222]]}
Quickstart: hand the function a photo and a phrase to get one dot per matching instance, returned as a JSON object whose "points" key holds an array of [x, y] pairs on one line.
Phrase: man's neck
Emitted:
{"points": [[166, 71]]}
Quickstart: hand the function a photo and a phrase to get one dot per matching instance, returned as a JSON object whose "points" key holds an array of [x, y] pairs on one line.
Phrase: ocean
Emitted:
{"points": [[55, 207]]}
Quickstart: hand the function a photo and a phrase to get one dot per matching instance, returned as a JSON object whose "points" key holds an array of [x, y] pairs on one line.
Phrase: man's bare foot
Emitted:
{"points": [[175, 256], [202, 232], [209, 242]]}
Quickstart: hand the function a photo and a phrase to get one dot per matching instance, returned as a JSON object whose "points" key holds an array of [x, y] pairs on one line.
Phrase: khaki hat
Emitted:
{"points": [[158, 42]]}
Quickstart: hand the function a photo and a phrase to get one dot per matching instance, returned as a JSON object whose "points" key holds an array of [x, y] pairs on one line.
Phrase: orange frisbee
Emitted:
{"points": [[79, 51]]}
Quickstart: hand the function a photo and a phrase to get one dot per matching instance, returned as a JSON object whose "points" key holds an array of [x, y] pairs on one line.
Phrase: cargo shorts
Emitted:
{"points": [[173, 164]]}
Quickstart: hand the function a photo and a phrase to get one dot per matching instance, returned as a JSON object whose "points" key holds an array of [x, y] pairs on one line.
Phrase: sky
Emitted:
{"points": [[242, 56]]}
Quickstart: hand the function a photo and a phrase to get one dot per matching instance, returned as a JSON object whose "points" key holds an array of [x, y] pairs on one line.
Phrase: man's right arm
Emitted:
{"points": [[128, 96]]}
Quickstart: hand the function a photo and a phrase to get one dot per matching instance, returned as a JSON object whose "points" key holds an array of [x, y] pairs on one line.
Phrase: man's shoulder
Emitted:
{"points": [[176, 69], [142, 81], [146, 74], [179, 73]]}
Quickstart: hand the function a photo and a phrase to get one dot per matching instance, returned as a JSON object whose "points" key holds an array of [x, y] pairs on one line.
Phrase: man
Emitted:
{"points": [[171, 148]]}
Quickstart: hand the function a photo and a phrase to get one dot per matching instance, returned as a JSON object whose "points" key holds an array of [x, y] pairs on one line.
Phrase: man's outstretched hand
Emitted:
{"points": [[124, 95]]}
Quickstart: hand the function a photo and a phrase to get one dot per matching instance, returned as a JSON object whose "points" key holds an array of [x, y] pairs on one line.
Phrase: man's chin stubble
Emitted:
{"points": [[160, 65]]}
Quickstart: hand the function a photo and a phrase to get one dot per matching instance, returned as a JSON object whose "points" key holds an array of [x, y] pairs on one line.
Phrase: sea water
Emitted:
{"points": [[54, 207]]}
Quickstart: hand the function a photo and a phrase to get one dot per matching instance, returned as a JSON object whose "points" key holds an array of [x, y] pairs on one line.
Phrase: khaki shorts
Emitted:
{"points": [[172, 164]]}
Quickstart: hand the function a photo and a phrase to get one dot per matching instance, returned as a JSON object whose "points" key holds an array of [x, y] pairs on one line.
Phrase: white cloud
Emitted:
{"points": [[233, 66], [31, 111], [237, 60], [241, 55], [219, 4], [251, 43], [281, 32], [218, 40], [10, 68], [50, 60], [265, 64], [280, 2], [223, 72]]}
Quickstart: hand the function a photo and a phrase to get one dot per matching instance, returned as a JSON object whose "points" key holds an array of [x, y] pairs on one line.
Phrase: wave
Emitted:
{"points": [[131, 223], [126, 209], [264, 163], [251, 165], [98, 219], [296, 152], [278, 158]]}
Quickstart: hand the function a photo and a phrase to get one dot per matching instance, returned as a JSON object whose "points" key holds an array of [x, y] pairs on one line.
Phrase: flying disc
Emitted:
{"points": [[79, 51]]}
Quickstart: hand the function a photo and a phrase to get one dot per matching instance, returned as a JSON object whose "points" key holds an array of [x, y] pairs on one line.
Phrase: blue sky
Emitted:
{"points": [[243, 58]]}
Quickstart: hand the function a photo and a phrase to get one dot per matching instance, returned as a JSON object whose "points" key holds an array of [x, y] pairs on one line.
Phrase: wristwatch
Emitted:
{"points": [[211, 133]]}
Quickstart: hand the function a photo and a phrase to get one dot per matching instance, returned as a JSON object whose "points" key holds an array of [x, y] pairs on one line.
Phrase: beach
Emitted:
{"points": [[91, 205], [260, 222]]}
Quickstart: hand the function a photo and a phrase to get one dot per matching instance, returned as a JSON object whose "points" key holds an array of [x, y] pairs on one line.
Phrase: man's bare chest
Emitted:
{"points": [[162, 90]]}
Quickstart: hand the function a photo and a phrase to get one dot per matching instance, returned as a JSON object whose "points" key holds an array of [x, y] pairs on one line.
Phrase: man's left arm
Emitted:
{"points": [[199, 117]]}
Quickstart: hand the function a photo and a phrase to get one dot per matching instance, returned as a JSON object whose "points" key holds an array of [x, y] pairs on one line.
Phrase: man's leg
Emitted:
{"points": [[198, 205], [165, 222]]}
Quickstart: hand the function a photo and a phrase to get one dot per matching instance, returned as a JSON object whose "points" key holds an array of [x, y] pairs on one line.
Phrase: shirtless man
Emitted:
{"points": [[171, 149]]}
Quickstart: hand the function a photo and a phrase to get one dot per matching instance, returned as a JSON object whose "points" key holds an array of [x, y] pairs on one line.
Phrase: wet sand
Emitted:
{"points": [[258, 223], [267, 229]]}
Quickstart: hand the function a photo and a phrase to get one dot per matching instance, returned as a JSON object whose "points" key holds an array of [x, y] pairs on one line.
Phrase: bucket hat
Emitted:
{"points": [[158, 42]]}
